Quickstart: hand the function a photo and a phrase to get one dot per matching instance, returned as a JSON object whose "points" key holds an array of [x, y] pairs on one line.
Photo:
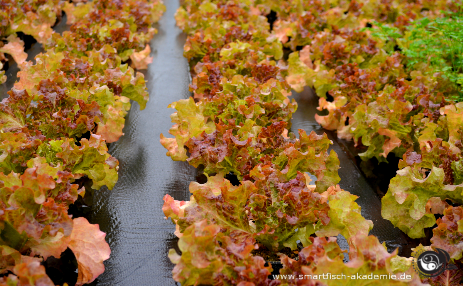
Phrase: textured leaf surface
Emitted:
{"points": [[15, 47], [141, 60], [448, 235], [345, 216], [209, 256], [368, 257], [90, 248]]}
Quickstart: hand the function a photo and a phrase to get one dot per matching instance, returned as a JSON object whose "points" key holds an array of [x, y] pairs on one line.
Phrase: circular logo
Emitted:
{"points": [[431, 263]]}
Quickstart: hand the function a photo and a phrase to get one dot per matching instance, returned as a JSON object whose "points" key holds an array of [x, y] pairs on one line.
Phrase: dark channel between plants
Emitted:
{"points": [[137, 232], [131, 213]]}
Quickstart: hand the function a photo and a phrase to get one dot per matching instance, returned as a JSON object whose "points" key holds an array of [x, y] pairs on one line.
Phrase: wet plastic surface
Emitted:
{"points": [[352, 179], [131, 214]]}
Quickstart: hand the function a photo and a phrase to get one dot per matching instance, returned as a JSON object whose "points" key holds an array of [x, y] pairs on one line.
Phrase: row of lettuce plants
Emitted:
{"points": [[388, 74], [37, 17], [389, 97], [237, 123], [54, 130]]}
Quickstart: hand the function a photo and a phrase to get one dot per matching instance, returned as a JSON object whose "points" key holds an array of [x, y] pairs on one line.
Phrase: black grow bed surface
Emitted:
{"points": [[131, 214]]}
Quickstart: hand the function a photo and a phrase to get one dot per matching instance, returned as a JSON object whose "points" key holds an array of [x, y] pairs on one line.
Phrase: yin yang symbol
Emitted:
{"points": [[433, 263], [430, 262]]}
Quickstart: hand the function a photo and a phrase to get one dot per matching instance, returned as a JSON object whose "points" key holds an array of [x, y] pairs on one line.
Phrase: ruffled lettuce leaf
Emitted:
{"points": [[367, 258], [90, 248], [98, 79], [449, 232], [211, 257]]}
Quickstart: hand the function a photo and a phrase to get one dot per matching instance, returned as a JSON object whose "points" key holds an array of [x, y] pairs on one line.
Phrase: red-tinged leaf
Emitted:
{"points": [[190, 122], [31, 25], [127, 26], [310, 154], [90, 248], [318, 248], [221, 151], [367, 257], [299, 74], [31, 75], [134, 87], [53, 112], [436, 205], [210, 257], [141, 60], [9, 258], [454, 125], [56, 234], [274, 207], [76, 12], [172, 208], [216, 152], [32, 273], [412, 158], [332, 121], [14, 119], [283, 30], [176, 211], [39, 183], [96, 80], [10, 280], [391, 143], [15, 47], [282, 206], [90, 158], [345, 216], [30, 224], [448, 235], [173, 150], [223, 201], [111, 130], [438, 153], [28, 192], [28, 269], [304, 55], [448, 278], [405, 202], [17, 148]]}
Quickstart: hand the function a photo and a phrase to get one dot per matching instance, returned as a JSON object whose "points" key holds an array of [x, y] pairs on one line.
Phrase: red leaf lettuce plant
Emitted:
{"points": [[393, 88], [80, 86], [237, 122]]}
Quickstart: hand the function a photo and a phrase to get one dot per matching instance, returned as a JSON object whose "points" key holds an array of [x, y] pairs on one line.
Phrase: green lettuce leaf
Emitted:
{"points": [[211, 257], [367, 259]]}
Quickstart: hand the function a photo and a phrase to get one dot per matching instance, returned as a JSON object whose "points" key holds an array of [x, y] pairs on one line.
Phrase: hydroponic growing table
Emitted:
{"points": [[131, 213]]}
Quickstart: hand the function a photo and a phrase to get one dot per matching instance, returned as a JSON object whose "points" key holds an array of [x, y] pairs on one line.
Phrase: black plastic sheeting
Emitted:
{"points": [[352, 179], [131, 213]]}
